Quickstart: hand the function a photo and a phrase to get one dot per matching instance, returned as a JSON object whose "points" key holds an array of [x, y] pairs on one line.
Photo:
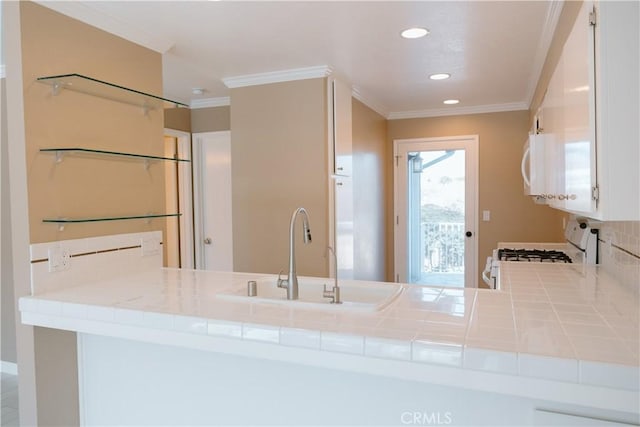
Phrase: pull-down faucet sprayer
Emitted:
{"points": [[291, 282]]}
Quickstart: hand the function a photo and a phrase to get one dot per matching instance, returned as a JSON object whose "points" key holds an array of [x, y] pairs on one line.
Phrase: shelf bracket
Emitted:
{"points": [[56, 87], [59, 156], [146, 108]]}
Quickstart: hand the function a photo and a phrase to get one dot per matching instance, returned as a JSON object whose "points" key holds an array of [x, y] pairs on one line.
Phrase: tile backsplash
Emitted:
{"points": [[68, 263], [620, 251]]}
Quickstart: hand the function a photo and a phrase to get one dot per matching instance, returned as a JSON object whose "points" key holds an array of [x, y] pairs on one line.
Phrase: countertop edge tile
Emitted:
{"points": [[490, 360], [548, 367], [190, 324], [224, 328], [185, 300], [341, 343], [609, 375], [387, 348], [297, 337], [260, 332]]}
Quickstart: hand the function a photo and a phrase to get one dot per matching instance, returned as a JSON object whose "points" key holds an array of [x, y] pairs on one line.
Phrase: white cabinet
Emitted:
{"points": [[591, 116], [340, 127], [344, 226], [340, 181], [568, 116], [618, 110]]}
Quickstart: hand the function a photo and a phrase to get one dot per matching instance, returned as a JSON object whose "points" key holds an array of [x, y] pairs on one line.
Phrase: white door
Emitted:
{"points": [[436, 211], [212, 200]]}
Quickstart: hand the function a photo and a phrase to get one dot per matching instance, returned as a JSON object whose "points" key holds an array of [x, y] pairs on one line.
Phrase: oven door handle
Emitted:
{"points": [[487, 270], [486, 279]]}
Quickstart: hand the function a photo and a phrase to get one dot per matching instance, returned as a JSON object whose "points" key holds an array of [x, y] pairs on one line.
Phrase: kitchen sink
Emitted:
{"points": [[355, 295]]}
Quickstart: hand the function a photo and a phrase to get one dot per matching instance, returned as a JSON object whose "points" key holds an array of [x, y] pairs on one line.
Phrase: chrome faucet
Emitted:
{"points": [[291, 282], [334, 293]]}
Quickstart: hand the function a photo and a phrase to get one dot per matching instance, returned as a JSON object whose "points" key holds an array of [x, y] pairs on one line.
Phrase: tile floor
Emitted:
{"points": [[9, 414]]}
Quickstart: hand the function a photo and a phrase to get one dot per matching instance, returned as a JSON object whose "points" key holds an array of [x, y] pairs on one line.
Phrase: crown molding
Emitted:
{"points": [[375, 106], [548, 31], [210, 102], [458, 111], [3, 71], [278, 76], [87, 12]]}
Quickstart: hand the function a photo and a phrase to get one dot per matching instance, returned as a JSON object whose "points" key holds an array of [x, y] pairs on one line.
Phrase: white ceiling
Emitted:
{"points": [[493, 50]]}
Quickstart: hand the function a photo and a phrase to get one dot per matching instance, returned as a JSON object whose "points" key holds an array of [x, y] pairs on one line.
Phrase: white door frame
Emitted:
{"points": [[185, 197], [470, 145], [198, 195]]}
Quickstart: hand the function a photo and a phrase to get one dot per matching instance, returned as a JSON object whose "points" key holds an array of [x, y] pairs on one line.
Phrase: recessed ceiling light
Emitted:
{"points": [[440, 76], [451, 101], [197, 91], [414, 33]]}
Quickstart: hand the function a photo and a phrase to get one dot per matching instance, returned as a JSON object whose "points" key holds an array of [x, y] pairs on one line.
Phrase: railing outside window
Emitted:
{"points": [[443, 244]]}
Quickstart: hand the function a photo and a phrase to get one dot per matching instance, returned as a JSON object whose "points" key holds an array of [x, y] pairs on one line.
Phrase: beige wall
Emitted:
{"points": [[211, 119], [369, 178], [178, 119], [82, 186], [279, 163], [49, 44], [514, 217]]}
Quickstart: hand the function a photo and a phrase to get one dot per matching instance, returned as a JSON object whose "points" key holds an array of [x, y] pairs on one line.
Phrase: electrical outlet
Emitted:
{"points": [[59, 259]]}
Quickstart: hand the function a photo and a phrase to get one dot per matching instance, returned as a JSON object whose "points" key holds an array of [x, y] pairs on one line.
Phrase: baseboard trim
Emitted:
{"points": [[9, 367]]}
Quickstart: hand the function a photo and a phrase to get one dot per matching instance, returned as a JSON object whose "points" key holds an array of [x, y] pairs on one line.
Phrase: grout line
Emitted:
{"points": [[104, 251], [37, 261], [626, 251], [620, 248], [83, 254]]}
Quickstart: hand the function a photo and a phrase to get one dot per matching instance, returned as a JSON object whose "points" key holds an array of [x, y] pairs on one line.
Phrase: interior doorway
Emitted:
{"points": [[436, 211], [212, 200]]}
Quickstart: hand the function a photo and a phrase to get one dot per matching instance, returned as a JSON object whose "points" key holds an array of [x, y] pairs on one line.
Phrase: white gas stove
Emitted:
{"points": [[581, 247]]}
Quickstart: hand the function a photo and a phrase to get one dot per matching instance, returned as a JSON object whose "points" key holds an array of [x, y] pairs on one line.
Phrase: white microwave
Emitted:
{"points": [[532, 166]]}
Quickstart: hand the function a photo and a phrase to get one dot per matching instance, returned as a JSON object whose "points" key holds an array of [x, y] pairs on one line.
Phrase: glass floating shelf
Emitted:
{"points": [[64, 221], [114, 92], [59, 152]]}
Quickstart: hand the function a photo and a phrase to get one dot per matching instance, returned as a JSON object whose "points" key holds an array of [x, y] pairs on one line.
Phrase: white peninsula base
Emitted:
{"points": [[125, 382]]}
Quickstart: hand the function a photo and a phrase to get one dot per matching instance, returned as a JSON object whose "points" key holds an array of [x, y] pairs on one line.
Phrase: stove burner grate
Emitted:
{"points": [[533, 255]]}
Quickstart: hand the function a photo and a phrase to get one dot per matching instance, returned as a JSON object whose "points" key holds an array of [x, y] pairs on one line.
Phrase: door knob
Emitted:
{"points": [[468, 234], [207, 240]]}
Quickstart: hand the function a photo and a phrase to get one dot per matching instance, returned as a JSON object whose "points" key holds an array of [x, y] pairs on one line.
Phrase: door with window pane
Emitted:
{"points": [[435, 242]]}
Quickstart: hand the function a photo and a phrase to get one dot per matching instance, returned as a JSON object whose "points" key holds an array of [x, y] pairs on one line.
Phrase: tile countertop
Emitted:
{"points": [[566, 324]]}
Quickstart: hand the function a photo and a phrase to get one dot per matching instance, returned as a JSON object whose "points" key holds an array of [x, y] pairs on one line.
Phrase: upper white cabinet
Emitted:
{"points": [[340, 127], [591, 115], [340, 181]]}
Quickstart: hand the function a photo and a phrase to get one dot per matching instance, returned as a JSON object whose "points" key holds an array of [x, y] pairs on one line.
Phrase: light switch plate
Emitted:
{"points": [[59, 259], [486, 215]]}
